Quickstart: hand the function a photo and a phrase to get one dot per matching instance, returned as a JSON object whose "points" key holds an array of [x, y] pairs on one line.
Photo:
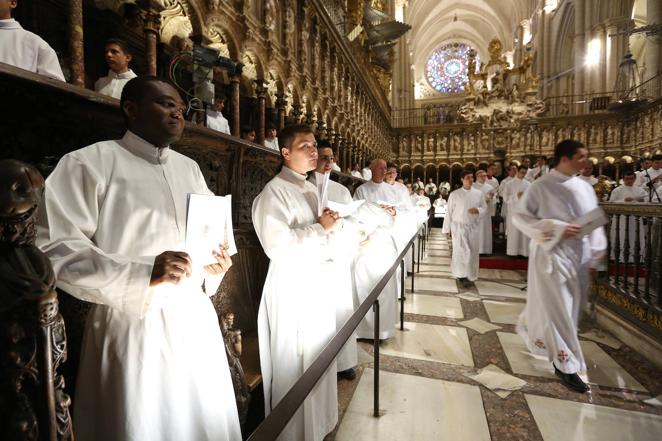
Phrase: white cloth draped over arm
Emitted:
{"points": [[67, 224], [525, 219], [278, 238]]}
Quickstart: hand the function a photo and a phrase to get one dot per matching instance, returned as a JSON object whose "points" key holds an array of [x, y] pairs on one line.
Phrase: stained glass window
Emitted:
{"points": [[447, 68]]}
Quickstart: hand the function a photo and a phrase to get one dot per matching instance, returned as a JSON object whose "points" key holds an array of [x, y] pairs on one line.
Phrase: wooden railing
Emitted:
{"points": [[632, 286]]}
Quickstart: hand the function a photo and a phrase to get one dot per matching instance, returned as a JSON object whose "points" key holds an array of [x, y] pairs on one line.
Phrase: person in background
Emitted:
{"points": [[24, 49], [118, 56], [248, 134], [215, 119], [271, 138], [356, 171], [586, 174]]}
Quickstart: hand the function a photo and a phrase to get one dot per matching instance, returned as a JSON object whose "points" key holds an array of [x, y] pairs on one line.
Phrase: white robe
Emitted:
{"points": [[485, 222], [558, 280], [537, 172], [422, 205], [504, 208], [637, 194], [341, 278], [373, 261], [153, 363], [216, 121], [463, 227], [297, 314], [272, 144], [430, 189], [643, 180], [113, 84], [366, 173], [28, 51], [494, 182], [356, 174], [590, 180], [517, 243]]}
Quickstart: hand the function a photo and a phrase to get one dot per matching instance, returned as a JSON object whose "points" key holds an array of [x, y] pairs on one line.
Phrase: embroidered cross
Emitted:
{"points": [[539, 343], [563, 356]]}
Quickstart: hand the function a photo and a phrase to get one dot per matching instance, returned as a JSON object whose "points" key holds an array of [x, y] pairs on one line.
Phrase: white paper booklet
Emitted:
{"points": [[208, 225], [322, 181], [591, 220], [345, 210]]}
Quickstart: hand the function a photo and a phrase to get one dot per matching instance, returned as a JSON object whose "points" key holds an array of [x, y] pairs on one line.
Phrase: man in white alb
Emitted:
{"points": [[340, 273], [271, 138], [586, 174], [374, 260], [118, 56], [297, 314], [517, 243], [560, 261], [465, 207], [485, 221], [430, 188], [540, 170], [215, 118], [494, 182], [113, 224], [512, 172], [645, 164], [406, 222], [653, 175], [356, 172], [366, 172], [628, 193], [418, 184], [24, 49]]}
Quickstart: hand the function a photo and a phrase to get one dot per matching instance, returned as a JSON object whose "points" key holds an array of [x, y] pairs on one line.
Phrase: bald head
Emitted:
{"points": [[378, 169]]}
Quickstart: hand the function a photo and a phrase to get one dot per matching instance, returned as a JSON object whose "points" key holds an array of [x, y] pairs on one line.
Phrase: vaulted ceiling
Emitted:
{"points": [[474, 22]]}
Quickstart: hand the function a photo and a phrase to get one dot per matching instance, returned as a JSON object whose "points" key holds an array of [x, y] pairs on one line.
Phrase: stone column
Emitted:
{"points": [[151, 25], [281, 103], [234, 105], [261, 93], [579, 47], [76, 53], [601, 34], [296, 113], [654, 42]]}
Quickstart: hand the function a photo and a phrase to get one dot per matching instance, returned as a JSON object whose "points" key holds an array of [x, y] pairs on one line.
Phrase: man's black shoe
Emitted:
{"points": [[347, 374], [572, 381]]}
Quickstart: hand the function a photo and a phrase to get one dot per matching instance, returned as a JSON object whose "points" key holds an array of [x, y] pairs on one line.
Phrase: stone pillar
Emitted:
{"points": [[261, 93], [579, 47], [654, 42], [281, 103], [296, 113], [151, 25], [234, 105], [601, 34], [76, 53]]}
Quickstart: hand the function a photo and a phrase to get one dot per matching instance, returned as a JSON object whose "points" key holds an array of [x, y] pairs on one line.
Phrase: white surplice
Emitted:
{"points": [[463, 227], [422, 205], [272, 144], [635, 194], [558, 280], [153, 363], [406, 222], [504, 208], [340, 276], [491, 204], [366, 173], [643, 180], [517, 243], [535, 173], [28, 51], [297, 314], [590, 180], [485, 222], [113, 84], [373, 261], [356, 174], [216, 121]]}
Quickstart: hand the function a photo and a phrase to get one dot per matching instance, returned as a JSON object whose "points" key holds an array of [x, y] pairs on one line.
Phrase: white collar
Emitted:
{"points": [[291, 176], [143, 149], [121, 76], [10, 24]]}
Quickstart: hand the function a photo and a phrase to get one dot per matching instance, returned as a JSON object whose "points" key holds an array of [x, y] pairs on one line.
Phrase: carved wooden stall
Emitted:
{"points": [[66, 118]]}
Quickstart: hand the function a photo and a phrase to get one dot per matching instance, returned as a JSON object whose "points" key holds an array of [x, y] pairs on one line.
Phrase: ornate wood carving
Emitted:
{"points": [[33, 403]]}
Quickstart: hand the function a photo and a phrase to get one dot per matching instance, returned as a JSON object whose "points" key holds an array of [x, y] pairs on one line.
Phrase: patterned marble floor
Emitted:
{"points": [[444, 376]]}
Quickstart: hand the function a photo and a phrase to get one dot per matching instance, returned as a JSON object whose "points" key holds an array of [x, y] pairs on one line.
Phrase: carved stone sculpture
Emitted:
{"points": [[33, 404], [233, 349]]}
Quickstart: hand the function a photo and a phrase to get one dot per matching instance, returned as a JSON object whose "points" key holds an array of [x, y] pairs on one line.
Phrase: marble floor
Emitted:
{"points": [[432, 374]]}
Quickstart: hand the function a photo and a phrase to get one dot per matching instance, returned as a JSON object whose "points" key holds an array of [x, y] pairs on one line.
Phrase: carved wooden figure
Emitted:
{"points": [[33, 404]]}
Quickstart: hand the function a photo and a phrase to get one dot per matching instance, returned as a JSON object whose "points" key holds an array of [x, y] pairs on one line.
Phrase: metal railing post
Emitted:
{"points": [[375, 308], [402, 295]]}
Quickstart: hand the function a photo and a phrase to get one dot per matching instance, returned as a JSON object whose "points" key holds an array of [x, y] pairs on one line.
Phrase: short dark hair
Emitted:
{"points": [[465, 172], [566, 149], [287, 135], [271, 126], [121, 43], [629, 173], [220, 97], [491, 164], [136, 88], [246, 130], [657, 157], [391, 165], [522, 167], [324, 144]]}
